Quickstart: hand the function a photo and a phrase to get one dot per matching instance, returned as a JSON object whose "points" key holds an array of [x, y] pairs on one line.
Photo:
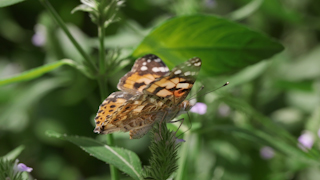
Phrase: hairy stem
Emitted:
{"points": [[63, 26], [102, 53]]}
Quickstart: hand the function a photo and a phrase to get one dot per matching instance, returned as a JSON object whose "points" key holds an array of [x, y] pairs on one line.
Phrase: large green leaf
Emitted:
{"points": [[4, 3], [222, 45], [125, 160], [36, 72]]}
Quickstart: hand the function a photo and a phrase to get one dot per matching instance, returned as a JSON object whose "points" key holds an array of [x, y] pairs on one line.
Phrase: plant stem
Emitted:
{"points": [[61, 23], [103, 93], [102, 55], [183, 158], [113, 170]]}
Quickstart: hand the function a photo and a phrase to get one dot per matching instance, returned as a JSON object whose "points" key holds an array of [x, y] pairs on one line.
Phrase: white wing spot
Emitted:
{"points": [[148, 60], [183, 85], [193, 73], [155, 69], [187, 73], [197, 64], [163, 69], [157, 60], [144, 63], [144, 68], [177, 71]]}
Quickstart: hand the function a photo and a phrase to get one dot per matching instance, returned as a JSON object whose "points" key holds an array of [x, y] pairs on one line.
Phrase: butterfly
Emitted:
{"points": [[148, 93]]}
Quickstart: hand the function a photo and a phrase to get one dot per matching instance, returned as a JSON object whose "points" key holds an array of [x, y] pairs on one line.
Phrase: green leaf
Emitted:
{"points": [[36, 72], [4, 3], [223, 46], [14, 153], [125, 160]]}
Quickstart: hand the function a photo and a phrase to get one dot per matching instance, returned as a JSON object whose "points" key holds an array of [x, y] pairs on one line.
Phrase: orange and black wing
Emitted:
{"points": [[108, 107], [145, 70], [176, 84]]}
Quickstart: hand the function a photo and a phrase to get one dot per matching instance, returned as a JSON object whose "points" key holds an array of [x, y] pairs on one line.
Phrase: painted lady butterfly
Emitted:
{"points": [[148, 93]]}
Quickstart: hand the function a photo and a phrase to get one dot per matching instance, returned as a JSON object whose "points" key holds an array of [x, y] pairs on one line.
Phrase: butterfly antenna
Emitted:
{"points": [[192, 96], [225, 84]]}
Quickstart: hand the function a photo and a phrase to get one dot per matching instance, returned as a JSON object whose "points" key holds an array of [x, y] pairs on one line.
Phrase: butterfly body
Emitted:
{"points": [[149, 93]]}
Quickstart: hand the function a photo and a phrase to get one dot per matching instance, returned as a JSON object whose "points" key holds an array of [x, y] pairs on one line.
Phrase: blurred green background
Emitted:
{"points": [[279, 97]]}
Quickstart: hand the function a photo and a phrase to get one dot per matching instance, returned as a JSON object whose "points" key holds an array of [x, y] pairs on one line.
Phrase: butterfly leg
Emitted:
{"points": [[182, 120], [163, 117]]}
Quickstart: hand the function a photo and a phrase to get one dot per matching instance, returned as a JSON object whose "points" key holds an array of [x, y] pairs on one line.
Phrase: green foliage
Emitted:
{"points": [[7, 171], [164, 153], [127, 161], [222, 45]]}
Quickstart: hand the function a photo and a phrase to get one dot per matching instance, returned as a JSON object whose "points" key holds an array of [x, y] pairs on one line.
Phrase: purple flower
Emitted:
{"points": [[210, 3], [306, 140], [22, 167], [39, 38], [200, 108], [266, 152], [180, 140]]}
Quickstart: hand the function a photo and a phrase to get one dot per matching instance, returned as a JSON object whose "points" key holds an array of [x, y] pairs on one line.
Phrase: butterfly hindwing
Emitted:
{"points": [[145, 70], [138, 133], [110, 105], [138, 108], [176, 84]]}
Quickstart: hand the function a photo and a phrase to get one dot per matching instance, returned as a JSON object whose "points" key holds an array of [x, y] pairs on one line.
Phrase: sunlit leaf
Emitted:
{"points": [[14, 153], [223, 46], [4, 3], [123, 159]]}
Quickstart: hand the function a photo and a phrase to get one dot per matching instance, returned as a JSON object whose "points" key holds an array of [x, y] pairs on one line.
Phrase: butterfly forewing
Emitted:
{"points": [[176, 84], [144, 71]]}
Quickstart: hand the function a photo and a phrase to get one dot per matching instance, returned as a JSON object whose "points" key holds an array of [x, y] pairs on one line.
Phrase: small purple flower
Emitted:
{"points": [[306, 139], [200, 108], [266, 152], [39, 38], [210, 3], [22, 167], [179, 141]]}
